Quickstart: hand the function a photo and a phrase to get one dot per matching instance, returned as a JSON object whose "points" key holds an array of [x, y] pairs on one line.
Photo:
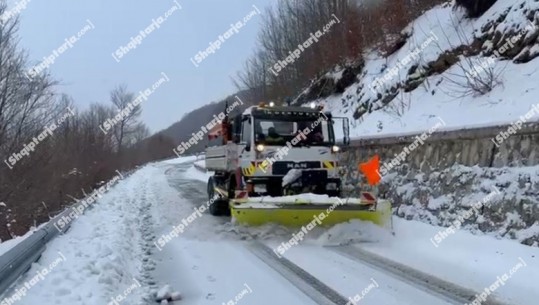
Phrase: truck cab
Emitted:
{"points": [[276, 151]]}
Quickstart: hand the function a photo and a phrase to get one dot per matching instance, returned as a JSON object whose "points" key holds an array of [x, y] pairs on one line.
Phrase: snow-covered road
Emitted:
{"points": [[217, 262], [126, 248]]}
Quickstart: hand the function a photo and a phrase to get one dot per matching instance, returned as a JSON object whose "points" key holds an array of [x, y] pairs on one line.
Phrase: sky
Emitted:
{"points": [[88, 71]]}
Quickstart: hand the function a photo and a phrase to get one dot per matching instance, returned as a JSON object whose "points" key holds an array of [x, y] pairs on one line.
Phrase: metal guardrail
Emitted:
{"points": [[18, 260]]}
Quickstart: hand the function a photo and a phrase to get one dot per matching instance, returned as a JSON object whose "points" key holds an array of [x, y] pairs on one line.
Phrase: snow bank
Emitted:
{"points": [[105, 250], [201, 165], [180, 160], [196, 174]]}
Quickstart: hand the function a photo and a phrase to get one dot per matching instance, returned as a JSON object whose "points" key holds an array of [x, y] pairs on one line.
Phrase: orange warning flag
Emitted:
{"points": [[371, 170]]}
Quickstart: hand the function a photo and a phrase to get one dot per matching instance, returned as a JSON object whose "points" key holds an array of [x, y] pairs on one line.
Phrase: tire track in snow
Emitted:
{"points": [[304, 281], [426, 282], [144, 199], [139, 198], [314, 288]]}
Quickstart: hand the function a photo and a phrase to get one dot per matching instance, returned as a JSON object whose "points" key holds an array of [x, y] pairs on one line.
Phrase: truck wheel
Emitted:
{"points": [[231, 188], [219, 206]]}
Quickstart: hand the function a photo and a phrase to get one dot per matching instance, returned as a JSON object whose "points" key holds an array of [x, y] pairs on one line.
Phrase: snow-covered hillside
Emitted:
{"points": [[449, 73], [439, 78]]}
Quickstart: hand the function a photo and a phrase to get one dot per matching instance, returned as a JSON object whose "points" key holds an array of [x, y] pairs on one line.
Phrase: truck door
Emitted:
{"points": [[244, 150]]}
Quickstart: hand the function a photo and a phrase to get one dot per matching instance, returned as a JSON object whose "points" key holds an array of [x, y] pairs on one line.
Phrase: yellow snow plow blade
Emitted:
{"points": [[298, 213]]}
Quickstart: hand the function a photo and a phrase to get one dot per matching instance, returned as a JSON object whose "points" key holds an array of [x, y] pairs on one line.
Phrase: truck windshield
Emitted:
{"points": [[307, 132]]}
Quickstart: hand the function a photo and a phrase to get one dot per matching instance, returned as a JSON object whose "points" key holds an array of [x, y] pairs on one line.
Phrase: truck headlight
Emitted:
{"points": [[335, 148], [260, 147]]}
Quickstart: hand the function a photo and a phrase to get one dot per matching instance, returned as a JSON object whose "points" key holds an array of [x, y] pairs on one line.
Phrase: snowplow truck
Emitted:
{"points": [[280, 165]]}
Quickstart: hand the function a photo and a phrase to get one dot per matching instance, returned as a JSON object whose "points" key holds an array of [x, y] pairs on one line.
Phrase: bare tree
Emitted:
{"points": [[128, 122], [475, 76], [140, 132], [348, 28]]}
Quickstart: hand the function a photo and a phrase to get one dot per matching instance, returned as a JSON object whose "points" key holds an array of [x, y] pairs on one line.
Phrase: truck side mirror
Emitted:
{"points": [[345, 127], [346, 130]]}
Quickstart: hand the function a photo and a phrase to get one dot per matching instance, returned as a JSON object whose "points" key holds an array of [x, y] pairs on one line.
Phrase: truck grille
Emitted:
{"points": [[282, 167]]}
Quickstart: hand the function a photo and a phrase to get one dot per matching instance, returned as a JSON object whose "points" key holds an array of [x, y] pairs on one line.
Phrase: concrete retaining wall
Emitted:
{"points": [[440, 179]]}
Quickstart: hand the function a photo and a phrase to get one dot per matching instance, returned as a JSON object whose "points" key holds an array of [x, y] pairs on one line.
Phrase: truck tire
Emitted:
{"points": [[231, 187], [217, 207]]}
